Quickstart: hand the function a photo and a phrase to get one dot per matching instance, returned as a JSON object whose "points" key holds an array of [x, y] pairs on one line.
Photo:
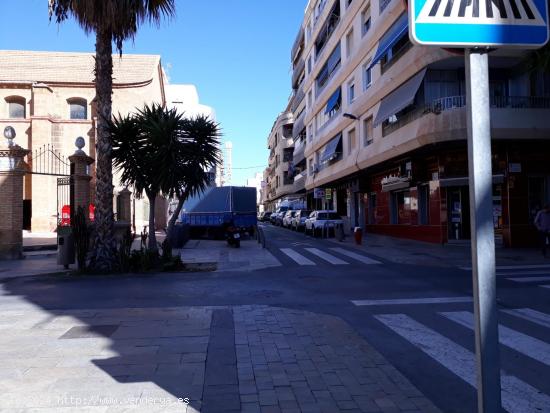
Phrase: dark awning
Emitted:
{"points": [[400, 98], [333, 101], [299, 153], [331, 148], [394, 33]]}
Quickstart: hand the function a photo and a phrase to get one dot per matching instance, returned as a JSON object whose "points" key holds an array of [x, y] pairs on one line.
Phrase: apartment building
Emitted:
{"points": [[279, 181], [382, 126]]}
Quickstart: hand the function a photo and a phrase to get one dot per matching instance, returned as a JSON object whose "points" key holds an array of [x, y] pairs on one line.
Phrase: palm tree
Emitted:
{"points": [[203, 144], [111, 21], [157, 155]]}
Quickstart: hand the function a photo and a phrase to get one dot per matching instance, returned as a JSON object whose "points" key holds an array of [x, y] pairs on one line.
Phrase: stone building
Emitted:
{"points": [[48, 98]]}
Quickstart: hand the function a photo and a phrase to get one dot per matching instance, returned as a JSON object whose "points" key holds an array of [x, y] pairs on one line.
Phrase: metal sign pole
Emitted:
{"points": [[483, 239]]}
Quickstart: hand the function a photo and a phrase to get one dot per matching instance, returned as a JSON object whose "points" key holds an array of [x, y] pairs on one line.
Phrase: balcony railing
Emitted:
{"points": [[454, 102]]}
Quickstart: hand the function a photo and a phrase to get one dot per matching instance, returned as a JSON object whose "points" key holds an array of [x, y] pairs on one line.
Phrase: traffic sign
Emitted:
{"points": [[479, 23]]}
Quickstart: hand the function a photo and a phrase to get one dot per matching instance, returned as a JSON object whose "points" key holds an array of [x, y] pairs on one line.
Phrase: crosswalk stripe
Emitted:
{"points": [[299, 258], [327, 257], [529, 279], [358, 257], [531, 315], [517, 396], [530, 346], [507, 274], [515, 267], [405, 301]]}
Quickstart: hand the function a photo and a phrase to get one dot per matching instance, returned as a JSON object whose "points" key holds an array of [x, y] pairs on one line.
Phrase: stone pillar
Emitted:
{"points": [[125, 205], [11, 202], [80, 177]]}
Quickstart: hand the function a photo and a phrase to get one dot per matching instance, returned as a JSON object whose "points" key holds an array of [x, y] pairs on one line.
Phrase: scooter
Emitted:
{"points": [[233, 239]]}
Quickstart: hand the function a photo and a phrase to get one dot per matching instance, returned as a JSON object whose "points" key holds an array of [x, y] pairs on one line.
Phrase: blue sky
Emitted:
{"points": [[236, 52]]}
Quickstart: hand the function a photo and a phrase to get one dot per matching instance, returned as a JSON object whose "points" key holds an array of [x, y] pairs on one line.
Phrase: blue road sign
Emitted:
{"points": [[470, 23]]}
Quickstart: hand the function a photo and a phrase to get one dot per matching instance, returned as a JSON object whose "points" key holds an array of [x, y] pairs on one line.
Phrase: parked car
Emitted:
{"points": [[299, 220], [279, 214], [318, 220], [287, 219], [264, 216]]}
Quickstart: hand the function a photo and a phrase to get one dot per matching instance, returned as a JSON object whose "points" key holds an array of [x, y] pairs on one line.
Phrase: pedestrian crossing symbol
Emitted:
{"points": [[470, 23]]}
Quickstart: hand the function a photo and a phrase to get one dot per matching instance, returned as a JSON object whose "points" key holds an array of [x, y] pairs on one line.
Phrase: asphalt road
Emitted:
{"points": [[418, 317]]}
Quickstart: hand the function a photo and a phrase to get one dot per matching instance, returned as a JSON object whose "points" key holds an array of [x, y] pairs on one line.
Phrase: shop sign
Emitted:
{"points": [[514, 168], [318, 193], [328, 193]]}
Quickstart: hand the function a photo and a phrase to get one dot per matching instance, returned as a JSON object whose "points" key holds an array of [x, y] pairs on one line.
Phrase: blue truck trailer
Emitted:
{"points": [[217, 207]]}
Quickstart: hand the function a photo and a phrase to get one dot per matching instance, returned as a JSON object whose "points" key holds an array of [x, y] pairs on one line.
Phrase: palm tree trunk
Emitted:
{"points": [[152, 237], [172, 221], [104, 254], [174, 217]]}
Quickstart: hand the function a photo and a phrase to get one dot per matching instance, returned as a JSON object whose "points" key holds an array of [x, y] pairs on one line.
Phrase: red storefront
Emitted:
{"points": [[425, 195]]}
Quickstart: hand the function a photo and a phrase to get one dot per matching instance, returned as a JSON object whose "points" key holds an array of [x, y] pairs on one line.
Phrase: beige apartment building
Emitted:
{"points": [[48, 98], [278, 182], [384, 125]]}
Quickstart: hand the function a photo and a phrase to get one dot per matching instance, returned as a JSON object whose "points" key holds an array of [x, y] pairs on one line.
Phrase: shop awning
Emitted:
{"points": [[394, 33], [400, 98], [331, 148], [333, 101], [464, 181]]}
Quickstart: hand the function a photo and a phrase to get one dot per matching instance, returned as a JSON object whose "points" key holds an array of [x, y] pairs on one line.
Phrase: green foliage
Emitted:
{"points": [[157, 150], [121, 18], [81, 233], [125, 250]]}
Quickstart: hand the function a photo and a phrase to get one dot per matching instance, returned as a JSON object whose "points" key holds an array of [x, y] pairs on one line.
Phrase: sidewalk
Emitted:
{"points": [[404, 251], [193, 359], [249, 257]]}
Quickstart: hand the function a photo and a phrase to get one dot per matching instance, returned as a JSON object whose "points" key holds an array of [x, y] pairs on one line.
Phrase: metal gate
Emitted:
{"points": [[46, 160]]}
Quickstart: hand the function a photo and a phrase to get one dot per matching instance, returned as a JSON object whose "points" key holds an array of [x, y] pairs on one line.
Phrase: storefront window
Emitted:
{"points": [[537, 195]]}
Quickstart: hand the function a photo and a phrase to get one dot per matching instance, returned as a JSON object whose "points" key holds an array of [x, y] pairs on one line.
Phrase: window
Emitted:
{"points": [[310, 133], [311, 166], [78, 109], [349, 43], [332, 64], [16, 107], [309, 99], [351, 141], [365, 20], [384, 4], [367, 76], [288, 154], [395, 52], [367, 131], [351, 91], [328, 28], [348, 2]]}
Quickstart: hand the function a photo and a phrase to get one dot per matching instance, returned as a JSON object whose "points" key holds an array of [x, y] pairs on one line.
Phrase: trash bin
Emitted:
{"points": [[358, 234], [65, 247]]}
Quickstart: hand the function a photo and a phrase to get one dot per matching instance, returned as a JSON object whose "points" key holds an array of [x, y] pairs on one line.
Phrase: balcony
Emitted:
{"points": [[505, 111]]}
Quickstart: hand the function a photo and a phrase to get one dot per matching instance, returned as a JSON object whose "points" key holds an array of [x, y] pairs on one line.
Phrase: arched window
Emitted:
{"points": [[78, 108], [16, 107]]}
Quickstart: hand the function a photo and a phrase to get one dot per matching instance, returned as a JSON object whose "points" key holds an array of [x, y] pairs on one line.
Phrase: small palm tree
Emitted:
{"points": [[110, 20], [202, 137], [157, 154]]}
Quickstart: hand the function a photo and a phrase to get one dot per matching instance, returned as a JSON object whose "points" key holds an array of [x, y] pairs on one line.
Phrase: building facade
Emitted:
{"points": [[384, 125], [49, 99]]}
